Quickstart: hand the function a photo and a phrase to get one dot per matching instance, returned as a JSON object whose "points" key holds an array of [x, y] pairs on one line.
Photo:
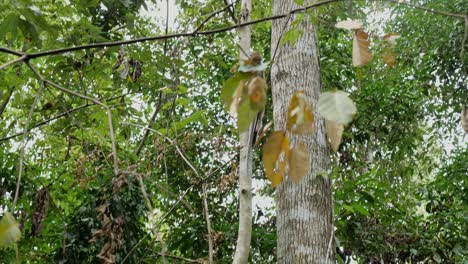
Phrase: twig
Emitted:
{"points": [[25, 140], [176, 257], [150, 124], [173, 143], [158, 224], [200, 33], [10, 51], [231, 12], [227, 7], [22, 58], [465, 36], [208, 224], [279, 39], [427, 9], [5, 103], [94, 100], [59, 116]]}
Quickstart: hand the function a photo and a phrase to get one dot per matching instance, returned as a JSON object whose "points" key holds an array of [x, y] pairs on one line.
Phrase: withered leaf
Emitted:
{"points": [[275, 157], [299, 162], [334, 134], [300, 115], [361, 53]]}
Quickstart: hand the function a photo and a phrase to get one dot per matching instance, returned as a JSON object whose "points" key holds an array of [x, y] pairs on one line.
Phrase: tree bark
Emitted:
{"points": [[305, 208], [245, 160]]}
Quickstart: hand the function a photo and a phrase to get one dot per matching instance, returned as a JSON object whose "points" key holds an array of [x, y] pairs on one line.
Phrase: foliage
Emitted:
{"points": [[399, 196]]}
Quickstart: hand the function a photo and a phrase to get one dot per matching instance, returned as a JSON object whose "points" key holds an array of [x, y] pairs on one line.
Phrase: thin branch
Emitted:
{"points": [[176, 257], [10, 51], [244, 234], [181, 153], [208, 224], [165, 43], [20, 59], [159, 223], [25, 140], [5, 103], [231, 11], [94, 100], [444, 13], [465, 36], [150, 124], [210, 16], [279, 39], [45, 122], [207, 32]]}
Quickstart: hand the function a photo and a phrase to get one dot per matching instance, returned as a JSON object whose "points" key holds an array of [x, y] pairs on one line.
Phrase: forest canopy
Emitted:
{"points": [[119, 129]]}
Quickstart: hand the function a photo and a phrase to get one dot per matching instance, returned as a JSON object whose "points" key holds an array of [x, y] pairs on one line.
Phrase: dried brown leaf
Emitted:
{"points": [[361, 53], [334, 134], [300, 115], [299, 162], [275, 157]]}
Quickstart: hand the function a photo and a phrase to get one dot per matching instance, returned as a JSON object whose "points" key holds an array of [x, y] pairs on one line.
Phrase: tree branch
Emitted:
{"points": [[231, 12], [209, 17], [25, 140], [22, 58], [94, 100], [5, 103], [201, 33], [150, 124], [208, 223], [44, 122], [244, 235]]}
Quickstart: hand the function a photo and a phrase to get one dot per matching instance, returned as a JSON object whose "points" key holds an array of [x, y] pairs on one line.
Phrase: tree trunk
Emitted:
{"points": [[304, 209]]}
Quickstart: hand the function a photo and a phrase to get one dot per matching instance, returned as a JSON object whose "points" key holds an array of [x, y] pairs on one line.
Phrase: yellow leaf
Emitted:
{"points": [[257, 93], [391, 38], [299, 163], [349, 24], [334, 134], [300, 115], [275, 157], [9, 231], [389, 56], [361, 53]]}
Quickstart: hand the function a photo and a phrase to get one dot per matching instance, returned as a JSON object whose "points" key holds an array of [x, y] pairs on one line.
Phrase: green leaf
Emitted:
{"points": [[360, 209], [9, 231], [34, 17], [9, 25], [230, 86], [336, 106], [245, 116], [299, 2], [291, 36]]}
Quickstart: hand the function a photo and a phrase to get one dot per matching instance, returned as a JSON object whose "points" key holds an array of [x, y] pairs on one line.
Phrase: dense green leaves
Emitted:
{"points": [[399, 173]]}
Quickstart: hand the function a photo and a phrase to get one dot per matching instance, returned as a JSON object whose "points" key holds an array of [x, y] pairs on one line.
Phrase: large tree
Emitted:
{"points": [[114, 146], [304, 209]]}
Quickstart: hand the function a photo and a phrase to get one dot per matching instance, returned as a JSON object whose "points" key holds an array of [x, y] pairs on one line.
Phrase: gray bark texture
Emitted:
{"points": [[305, 208]]}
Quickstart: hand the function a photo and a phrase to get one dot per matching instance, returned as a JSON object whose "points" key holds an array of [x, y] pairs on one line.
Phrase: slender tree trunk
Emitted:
{"points": [[245, 167], [304, 209]]}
